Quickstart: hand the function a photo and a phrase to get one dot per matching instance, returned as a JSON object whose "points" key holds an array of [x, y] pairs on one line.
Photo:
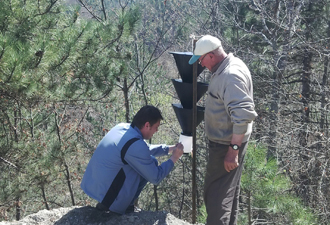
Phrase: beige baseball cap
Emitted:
{"points": [[204, 45]]}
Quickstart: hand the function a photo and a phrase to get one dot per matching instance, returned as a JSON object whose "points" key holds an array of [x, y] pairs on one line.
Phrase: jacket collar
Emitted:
{"points": [[221, 65], [137, 130]]}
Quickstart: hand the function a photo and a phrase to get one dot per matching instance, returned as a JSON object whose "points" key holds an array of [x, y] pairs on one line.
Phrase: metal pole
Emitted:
{"points": [[194, 125]]}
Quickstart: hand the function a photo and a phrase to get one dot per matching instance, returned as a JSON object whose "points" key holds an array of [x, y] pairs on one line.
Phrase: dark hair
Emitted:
{"points": [[147, 113]]}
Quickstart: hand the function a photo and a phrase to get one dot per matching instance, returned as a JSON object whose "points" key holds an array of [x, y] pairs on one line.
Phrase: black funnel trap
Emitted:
{"points": [[185, 69], [185, 117], [185, 92]]}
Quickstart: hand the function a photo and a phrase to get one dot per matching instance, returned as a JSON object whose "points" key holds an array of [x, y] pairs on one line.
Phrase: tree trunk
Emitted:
{"points": [[126, 99], [18, 198], [305, 94], [274, 107], [44, 196], [249, 207], [68, 179], [323, 94], [18, 208]]}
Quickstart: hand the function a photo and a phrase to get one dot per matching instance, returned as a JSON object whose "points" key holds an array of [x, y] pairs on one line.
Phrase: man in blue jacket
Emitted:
{"points": [[123, 163]]}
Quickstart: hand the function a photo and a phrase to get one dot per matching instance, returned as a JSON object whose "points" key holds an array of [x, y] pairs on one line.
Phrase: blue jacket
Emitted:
{"points": [[106, 174]]}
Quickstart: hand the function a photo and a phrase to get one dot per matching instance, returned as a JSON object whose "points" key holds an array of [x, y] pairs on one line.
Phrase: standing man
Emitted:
{"points": [[123, 163], [229, 114]]}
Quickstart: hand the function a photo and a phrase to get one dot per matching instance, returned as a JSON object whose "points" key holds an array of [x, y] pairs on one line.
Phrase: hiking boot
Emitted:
{"points": [[133, 208], [103, 208]]}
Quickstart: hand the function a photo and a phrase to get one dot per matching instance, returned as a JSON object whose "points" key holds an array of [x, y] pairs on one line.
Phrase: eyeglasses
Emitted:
{"points": [[200, 61]]}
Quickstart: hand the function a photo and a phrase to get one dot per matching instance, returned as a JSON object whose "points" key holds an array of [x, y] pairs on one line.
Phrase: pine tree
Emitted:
{"points": [[51, 63], [266, 193]]}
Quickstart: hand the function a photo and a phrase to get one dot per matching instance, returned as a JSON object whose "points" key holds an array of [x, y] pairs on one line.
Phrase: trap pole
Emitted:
{"points": [[194, 125]]}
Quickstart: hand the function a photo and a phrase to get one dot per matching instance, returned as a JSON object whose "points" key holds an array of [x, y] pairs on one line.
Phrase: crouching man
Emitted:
{"points": [[123, 163]]}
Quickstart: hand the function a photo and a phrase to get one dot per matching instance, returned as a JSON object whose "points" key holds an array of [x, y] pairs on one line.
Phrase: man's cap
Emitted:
{"points": [[204, 45]]}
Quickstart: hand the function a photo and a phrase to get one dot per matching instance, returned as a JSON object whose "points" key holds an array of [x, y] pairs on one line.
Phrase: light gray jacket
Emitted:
{"points": [[229, 105]]}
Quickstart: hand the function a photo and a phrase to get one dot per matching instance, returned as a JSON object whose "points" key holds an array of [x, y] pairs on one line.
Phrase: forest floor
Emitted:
{"points": [[91, 216]]}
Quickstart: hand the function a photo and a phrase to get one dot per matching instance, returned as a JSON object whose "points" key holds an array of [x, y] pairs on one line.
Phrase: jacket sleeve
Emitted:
{"points": [[239, 103], [138, 156], [158, 150]]}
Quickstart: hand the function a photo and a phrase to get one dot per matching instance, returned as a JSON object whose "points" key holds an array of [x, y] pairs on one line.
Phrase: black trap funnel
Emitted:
{"points": [[185, 117], [185, 69], [185, 92]]}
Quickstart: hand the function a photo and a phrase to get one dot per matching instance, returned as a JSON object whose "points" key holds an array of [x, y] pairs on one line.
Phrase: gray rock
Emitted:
{"points": [[91, 216]]}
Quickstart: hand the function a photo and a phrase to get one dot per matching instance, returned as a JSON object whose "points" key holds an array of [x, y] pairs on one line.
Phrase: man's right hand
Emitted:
{"points": [[177, 152]]}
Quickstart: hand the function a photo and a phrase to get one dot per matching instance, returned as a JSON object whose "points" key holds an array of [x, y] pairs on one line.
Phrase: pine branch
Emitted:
{"points": [[6, 161]]}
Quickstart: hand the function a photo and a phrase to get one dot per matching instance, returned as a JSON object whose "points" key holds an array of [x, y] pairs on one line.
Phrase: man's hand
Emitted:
{"points": [[231, 160], [177, 152], [173, 147]]}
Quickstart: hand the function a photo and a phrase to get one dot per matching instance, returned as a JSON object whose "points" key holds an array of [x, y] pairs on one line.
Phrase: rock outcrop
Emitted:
{"points": [[91, 216]]}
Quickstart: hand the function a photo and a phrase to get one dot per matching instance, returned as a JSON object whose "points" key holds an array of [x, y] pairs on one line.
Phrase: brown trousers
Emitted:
{"points": [[221, 189]]}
